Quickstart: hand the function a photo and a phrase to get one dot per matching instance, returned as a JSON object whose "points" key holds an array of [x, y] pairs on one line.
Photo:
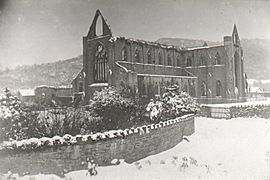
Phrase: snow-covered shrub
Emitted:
{"points": [[58, 122], [15, 123], [172, 104], [114, 109]]}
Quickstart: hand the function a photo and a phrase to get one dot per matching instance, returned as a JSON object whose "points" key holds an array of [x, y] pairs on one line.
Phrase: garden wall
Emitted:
{"points": [[133, 147]]}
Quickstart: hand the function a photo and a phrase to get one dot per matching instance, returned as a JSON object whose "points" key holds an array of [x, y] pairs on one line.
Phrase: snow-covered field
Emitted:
{"points": [[220, 149]]}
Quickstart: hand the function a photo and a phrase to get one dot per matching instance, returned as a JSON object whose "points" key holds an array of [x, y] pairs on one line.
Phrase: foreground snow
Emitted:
{"points": [[224, 149]]}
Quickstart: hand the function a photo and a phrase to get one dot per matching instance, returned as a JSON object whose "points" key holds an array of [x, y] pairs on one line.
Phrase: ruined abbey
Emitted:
{"points": [[211, 74]]}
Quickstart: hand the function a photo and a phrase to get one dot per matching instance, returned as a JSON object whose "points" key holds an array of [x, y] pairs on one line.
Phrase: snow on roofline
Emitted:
{"points": [[203, 47], [177, 48], [98, 84], [255, 89], [27, 92], [115, 38], [166, 76], [54, 87], [157, 65], [77, 75]]}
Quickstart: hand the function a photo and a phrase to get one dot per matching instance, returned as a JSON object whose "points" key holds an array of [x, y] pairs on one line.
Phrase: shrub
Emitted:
{"points": [[112, 109], [14, 122], [61, 121], [172, 104]]}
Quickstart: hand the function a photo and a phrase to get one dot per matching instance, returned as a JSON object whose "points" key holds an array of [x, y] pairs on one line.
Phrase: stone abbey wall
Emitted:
{"points": [[132, 147]]}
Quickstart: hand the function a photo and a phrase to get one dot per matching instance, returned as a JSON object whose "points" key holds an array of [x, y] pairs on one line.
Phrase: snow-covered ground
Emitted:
{"points": [[224, 149]]}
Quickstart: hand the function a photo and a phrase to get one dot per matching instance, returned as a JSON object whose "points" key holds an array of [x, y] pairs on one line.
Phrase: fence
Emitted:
{"points": [[220, 100], [215, 112]]}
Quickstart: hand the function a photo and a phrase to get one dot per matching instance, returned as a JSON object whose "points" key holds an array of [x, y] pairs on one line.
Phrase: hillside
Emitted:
{"points": [[28, 76], [256, 54]]}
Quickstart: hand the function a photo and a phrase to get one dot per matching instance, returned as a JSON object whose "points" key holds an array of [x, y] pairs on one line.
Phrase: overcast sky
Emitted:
{"points": [[39, 31]]}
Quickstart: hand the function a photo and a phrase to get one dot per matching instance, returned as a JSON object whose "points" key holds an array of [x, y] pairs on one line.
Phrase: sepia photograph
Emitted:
{"points": [[134, 89]]}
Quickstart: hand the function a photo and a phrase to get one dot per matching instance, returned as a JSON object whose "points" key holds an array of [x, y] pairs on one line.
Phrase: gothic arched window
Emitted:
{"points": [[204, 89], [217, 59], [203, 61], [159, 58], [137, 55], [178, 61], [99, 26], [81, 87], [124, 54], [169, 59], [149, 57], [100, 65], [218, 88], [189, 62], [185, 88]]}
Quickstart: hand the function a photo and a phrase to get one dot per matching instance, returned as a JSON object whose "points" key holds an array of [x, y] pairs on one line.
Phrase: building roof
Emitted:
{"points": [[74, 77], [204, 47], [115, 38], [256, 89], [177, 48], [27, 92], [166, 76], [55, 87]]}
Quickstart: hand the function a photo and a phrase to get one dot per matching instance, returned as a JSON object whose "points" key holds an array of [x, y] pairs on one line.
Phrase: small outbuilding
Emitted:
{"points": [[26, 95]]}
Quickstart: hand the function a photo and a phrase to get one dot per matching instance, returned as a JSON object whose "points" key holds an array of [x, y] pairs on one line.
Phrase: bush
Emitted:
{"points": [[172, 104], [14, 122], [61, 121], [113, 109]]}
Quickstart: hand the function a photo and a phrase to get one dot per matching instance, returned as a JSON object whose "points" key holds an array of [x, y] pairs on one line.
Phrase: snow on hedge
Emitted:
{"points": [[68, 139], [172, 104]]}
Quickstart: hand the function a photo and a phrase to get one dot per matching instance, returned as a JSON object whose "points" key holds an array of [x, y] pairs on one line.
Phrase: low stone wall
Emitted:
{"points": [[133, 147]]}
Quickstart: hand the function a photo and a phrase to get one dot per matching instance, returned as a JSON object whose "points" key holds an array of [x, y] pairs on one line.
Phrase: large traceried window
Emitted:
{"points": [[124, 54], [137, 56], [218, 88], [217, 59], [100, 65]]}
